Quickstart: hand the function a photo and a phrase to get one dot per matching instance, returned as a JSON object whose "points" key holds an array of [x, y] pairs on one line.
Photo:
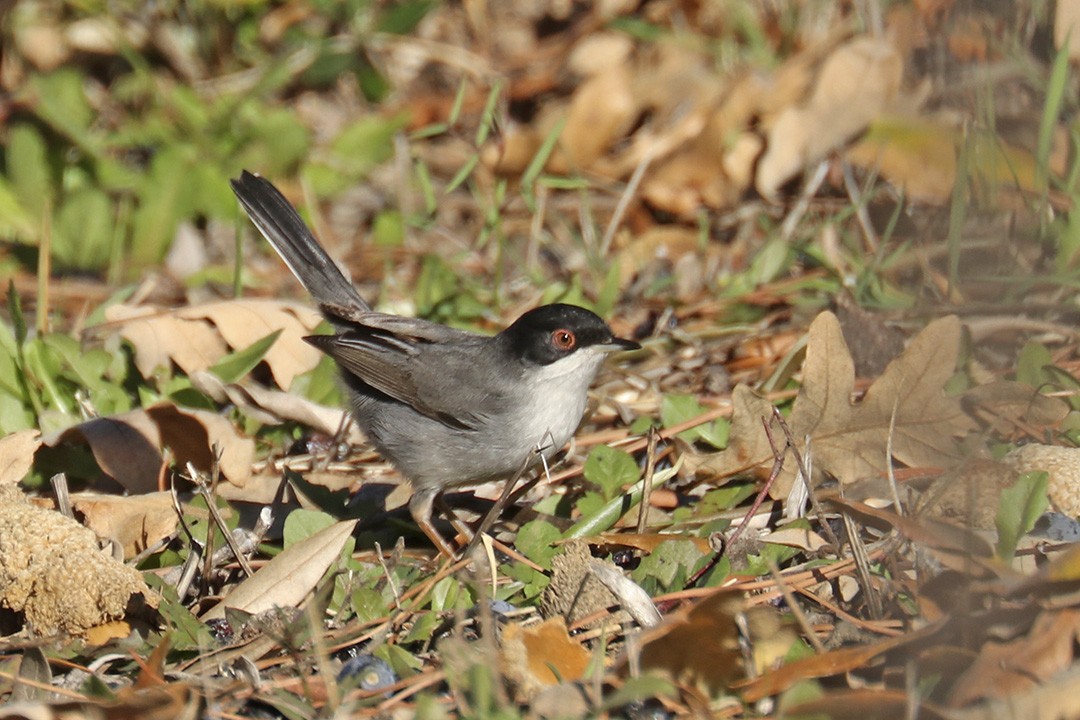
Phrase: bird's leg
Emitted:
{"points": [[420, 506]]}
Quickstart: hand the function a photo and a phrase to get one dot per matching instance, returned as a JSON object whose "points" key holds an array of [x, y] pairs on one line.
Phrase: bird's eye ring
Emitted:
{"points": [[563, 339]]}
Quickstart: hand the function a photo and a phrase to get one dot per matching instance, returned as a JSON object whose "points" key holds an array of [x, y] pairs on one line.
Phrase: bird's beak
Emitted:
{"points": [[617, 344]]}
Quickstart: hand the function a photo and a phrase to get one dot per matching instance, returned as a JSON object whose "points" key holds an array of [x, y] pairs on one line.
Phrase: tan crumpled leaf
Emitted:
{"points": [[272, 407], [195, 338], [601, 111], [128, 447], [134, 521], [1005, 404], [288, 578], [17, 455], [541, 655], [1004, 669], [849, 441], [748, 445], [856, 84]]}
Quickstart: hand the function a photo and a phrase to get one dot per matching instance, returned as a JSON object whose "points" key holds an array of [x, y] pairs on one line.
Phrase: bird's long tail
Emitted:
{"points": [[280, 224]]}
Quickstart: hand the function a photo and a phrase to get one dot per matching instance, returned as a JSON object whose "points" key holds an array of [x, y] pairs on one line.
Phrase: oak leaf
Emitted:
{"points": [[905, 416]]}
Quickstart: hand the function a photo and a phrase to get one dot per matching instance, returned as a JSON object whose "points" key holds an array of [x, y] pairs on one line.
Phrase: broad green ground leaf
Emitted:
{"points": [[611, 469], [302, 524]]}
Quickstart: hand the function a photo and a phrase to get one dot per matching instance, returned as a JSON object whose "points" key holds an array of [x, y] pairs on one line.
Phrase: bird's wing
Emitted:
{"points": [[436, 379]]}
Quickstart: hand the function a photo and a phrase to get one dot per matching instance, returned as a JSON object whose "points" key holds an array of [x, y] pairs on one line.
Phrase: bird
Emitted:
{"points": [[446, 407]]}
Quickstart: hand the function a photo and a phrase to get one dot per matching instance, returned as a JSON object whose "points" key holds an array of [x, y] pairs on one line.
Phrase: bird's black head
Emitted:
{"points": [[551, 332]]}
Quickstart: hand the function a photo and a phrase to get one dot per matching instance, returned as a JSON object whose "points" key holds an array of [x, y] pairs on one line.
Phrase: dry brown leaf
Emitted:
{"points": [[288, 578], [601, 111], [797, 537], [17, 455], [919, 155], [134, 521], [855, 85], [908, 399], [850, 441], [834, 662], [1004, 669], [748, 446], [542, 655], [956, 546], [1008, 403], [272, 407], [128, 447], [699, 646], [101, 634], [195, 338]]}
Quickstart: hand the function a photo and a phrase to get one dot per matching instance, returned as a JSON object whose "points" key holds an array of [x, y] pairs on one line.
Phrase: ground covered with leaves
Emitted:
{"points": [[840, 478]]}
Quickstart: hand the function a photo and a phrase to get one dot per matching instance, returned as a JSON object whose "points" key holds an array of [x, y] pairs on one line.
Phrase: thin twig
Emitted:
{"points": [[650, 470], [793, 605]]}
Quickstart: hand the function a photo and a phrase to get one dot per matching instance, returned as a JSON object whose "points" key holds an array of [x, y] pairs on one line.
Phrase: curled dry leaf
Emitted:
{"points": [[1004, 669], [856, 84], [274, 406], [288, 578], [128, 447], [1067, 27], [632, 597], [134, 521], [699, 646], [17, 455], [542, 655], [600, 113], [195, 338]]}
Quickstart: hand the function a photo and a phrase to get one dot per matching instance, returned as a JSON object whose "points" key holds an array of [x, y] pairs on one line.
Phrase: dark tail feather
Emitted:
{"points": [[280, 224]]}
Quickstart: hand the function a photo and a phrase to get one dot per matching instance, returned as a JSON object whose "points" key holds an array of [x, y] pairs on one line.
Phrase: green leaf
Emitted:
{"points": [[669, 565], [677, 409], [535, 540], [62, 103], [14, 303], [15, 222], [389, 229], [302, 524], [1031, 364], [185, 630], [608, 515], [165, 198], [1018, 509], [237, 364], [84, 232], [28, 167], [611, 469], [639, 688], [369, 604], [400, 18]]}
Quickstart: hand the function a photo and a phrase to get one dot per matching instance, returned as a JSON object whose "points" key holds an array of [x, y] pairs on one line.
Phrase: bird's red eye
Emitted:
{"points": [[563, 339]]}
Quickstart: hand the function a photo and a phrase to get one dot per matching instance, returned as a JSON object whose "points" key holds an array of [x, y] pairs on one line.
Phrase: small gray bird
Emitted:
{"points": [[445, 406]]}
